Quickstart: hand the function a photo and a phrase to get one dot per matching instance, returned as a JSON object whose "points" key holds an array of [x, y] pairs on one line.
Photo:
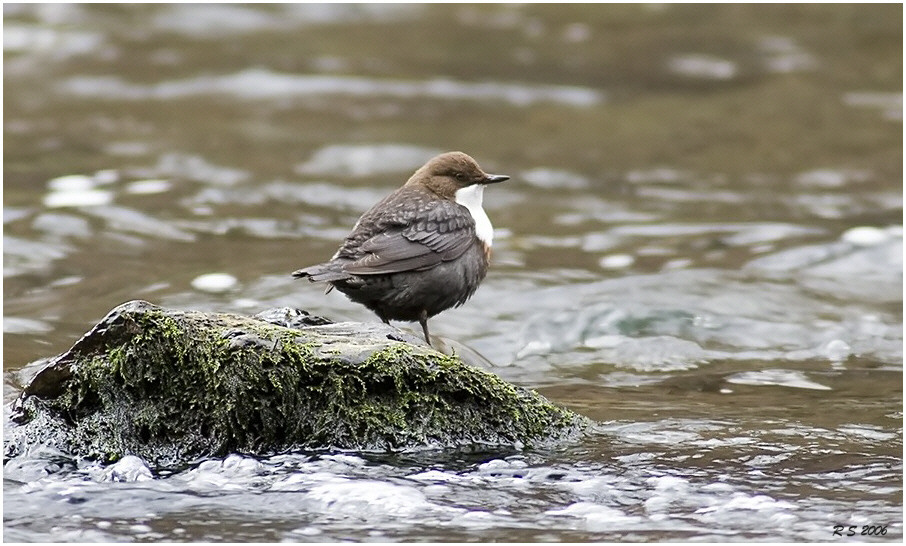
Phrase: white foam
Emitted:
{"points": [[616, 261], [783, 378], [865, 236], [147, 187], [214, 283], [705, 67], [366, 498], [71, 182], [128, 469], [78, 198]]}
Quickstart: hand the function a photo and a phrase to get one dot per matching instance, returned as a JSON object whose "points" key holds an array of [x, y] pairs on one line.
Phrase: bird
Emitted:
{"points": [[422, 249]]}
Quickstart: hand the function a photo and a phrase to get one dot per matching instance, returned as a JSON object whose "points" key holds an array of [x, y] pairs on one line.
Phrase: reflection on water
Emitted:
{"points": [[700, 248], [259, 84]]}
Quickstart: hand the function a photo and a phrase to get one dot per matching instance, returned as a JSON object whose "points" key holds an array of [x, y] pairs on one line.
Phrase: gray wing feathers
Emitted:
{"points": [[398, 251], [420, 236], [325, 272], [390, 253], [445, 235]]}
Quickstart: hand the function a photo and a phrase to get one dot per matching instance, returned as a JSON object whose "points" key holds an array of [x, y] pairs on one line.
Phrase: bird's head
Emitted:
{"points": [[448, 173]]}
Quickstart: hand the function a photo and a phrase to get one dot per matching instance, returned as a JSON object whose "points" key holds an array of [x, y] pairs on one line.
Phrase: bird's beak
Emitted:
{"points": [[494, 178]]}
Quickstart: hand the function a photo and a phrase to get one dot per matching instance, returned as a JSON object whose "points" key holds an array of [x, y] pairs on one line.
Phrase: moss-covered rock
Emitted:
{"points": [[172, 386]]}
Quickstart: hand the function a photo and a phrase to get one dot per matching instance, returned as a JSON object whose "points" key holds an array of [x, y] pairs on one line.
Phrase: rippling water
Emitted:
{"points": [[701, 248]]}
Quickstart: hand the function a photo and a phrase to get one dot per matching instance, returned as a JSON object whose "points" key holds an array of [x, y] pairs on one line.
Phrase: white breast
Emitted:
{"points": [[470, 197]]}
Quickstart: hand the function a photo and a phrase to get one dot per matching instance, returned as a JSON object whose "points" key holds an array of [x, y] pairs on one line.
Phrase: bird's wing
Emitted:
{"points": [[441, 232]]}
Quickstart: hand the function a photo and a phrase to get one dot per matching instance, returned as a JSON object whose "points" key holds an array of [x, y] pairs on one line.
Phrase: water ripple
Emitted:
{"points": [[262, 84]]}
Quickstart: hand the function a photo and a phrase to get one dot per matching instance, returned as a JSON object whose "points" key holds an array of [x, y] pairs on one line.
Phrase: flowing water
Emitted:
{"points": [[700, 248]]}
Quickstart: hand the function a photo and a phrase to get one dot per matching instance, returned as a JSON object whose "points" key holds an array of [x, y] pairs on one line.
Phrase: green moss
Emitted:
{"points": [[172, 386]]}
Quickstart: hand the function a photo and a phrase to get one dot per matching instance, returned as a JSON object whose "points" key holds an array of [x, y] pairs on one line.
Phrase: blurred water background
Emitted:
{"points": [[700, 248]]}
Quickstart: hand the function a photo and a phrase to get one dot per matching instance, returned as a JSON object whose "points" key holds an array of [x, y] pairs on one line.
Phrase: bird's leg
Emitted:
{"points": [[423, 320]]}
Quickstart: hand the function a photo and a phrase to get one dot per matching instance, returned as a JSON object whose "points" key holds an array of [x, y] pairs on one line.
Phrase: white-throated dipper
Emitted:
{"points": [[421, 250]]}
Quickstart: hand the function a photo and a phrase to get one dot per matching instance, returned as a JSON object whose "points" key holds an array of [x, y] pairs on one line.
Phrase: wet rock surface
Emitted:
{"points": [[171, 386]]}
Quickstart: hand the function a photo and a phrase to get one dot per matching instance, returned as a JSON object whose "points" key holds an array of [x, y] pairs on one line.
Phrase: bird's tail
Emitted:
{"points": [[326, 272]]}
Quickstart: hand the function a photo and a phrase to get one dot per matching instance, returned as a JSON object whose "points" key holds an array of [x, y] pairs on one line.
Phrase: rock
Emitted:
{"points": [[173, 386]]}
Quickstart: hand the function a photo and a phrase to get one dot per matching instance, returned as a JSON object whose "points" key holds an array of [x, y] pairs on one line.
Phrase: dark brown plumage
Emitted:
{"points": [[422, 249]]}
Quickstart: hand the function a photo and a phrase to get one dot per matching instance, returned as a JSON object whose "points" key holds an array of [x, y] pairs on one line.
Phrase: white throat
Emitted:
{"points": [[470, 197]]}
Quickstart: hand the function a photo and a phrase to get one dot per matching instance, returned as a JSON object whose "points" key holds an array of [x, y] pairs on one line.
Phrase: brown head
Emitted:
{"points": [[447, 173]]}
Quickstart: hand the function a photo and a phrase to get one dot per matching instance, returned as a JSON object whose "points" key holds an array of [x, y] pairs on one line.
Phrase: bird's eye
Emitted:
{"points": [[461, 177]]}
